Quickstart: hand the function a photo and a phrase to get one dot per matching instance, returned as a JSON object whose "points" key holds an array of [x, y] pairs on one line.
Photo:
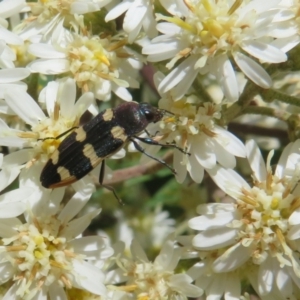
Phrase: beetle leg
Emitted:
{"points": [[108, 187], [139, 148], [59, 136], [150, 141]]}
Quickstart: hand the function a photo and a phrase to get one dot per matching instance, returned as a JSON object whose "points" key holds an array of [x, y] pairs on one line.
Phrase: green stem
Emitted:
{"points": [[32, 83], [267, 111], [237, 108], [271, 95]]}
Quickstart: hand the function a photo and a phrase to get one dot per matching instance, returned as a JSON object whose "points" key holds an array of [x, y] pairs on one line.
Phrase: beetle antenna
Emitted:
{"points": [[164, 111]]}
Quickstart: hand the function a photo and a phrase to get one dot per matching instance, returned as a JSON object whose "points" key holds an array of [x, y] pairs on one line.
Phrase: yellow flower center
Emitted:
{"points": [[40, 255]]}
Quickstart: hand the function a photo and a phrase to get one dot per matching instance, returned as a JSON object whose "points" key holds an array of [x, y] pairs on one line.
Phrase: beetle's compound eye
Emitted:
{"points": [[151, 113]]}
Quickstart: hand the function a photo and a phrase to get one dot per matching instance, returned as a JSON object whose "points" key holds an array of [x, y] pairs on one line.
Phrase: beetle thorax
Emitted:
{"points": [[130, 117]]}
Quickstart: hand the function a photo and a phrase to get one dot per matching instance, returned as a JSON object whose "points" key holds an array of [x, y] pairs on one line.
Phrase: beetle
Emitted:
{"points": [[89, 145]]}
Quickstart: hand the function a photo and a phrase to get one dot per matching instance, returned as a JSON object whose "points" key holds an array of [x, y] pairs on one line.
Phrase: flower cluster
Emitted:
{"points": [[209, 78], [258, 232]]}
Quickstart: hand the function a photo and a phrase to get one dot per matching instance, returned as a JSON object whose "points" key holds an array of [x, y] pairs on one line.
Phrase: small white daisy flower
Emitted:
{"points": [[287, 22], [8, 9], [194, 128], [10, 79], [12, 203], [8, 39], [59, 98], [262, 226], [43, 256], [280, 281], [98, 65], [48, 17], [7, 56], [227, 284], [139, 14], [150, 228], [156, 280], [205, 36]]}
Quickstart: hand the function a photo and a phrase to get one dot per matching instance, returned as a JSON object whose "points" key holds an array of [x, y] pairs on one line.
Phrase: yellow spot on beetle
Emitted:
{"points": [[55, 157], [90, 153], [63, 173], [108, 115], [118, 133], [80, 134]]}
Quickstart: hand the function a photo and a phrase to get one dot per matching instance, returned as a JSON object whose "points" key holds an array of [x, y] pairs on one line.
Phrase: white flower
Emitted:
{"points": [[227, 284], [208, 33], [290, 17], [43, 256], [98, 65], [64, 113], [59, 98], [150, 228], [193, 127], [156, 280], [8, 39], [261, 228], [8, 9], [12, 203], [47, 17], [10, 79], [139, 14], [280, 282]]}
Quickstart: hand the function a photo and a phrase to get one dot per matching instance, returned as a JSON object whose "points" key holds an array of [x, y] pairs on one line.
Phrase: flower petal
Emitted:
{"points": [[226, 77], [45, 51], [230, 142], [214, 238], [134, 17], [179, 167], [206, 222], [256, 161], [50, 96], [117, 10], [263, 51], [8, 175], [182, 283], [7, 227], [73, 207], [27, 109], [67, 97], [294, 218], [91, 246], [180, 73], [89, 277], [12, 75], [286, 44], [137, 251], [77, 226], [197, 174], [232, 258], [253, 70], [49, 66], [10, 37], [167, 254], [229, 181], [265, 276], [83, 103]]}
